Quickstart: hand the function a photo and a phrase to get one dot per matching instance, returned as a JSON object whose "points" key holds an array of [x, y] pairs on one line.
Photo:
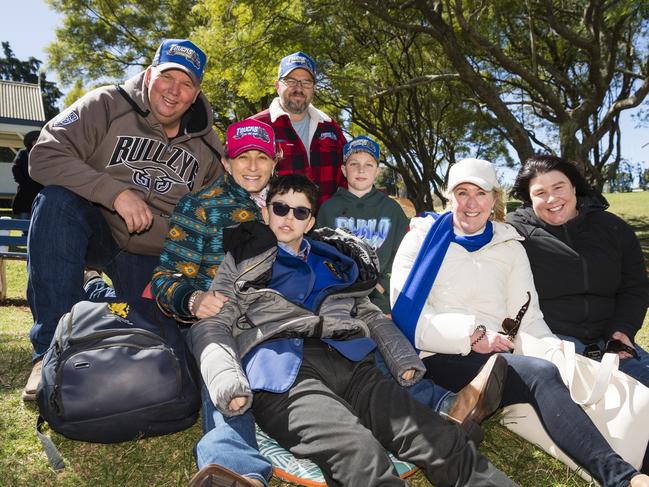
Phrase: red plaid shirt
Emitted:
{"points": [[326, 149]]}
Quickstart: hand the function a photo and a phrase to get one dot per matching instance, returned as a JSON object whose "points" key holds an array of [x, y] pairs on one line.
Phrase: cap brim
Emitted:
{"points": [[167, 66], [240, 150], [360, 149], [482, 183], [298, 67]]}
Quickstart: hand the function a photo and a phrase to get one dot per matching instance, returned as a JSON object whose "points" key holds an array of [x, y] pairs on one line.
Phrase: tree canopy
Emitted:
{"points": [[433, 81], [555, 74]]}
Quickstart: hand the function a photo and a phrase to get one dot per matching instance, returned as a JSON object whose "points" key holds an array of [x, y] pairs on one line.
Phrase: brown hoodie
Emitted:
{"points": [[109, 141]]}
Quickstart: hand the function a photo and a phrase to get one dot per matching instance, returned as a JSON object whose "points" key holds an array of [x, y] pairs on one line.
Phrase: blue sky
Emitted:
{"points": [[29, 26]]}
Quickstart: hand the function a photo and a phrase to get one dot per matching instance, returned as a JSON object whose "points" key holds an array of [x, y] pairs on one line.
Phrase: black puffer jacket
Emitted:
{"points": [[589, 273]]}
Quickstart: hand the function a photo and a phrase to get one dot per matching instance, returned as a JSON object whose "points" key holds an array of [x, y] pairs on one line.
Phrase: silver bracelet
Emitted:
{"points": [[190, 303]]}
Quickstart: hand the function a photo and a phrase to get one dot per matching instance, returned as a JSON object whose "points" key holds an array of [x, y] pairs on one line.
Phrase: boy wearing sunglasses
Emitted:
{"points": [[299, 331]]}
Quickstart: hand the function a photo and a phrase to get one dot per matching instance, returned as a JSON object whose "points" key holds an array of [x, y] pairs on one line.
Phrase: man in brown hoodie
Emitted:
{"points": [[115, 164]]}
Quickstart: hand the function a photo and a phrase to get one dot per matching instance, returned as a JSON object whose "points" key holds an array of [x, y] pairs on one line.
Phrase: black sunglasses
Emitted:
{"points": [[282, 209], [593, 351], [510, 326], [617, 346]]}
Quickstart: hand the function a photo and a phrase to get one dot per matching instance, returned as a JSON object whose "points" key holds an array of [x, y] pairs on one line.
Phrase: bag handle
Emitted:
{"points": [[604, 371], [609, 364], [564, 358]]}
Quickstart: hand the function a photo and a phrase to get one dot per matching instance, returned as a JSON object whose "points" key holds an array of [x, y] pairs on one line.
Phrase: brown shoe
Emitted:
{"points": [[29, 393], [217, 476], [481, 397], [640, 480]]}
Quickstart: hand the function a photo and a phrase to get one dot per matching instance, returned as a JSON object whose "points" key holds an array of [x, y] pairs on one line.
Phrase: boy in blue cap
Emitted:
{"points": [[367, 212]]}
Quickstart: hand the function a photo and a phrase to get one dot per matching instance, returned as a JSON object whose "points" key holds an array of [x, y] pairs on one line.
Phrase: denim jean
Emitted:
{"points": [[638, 369], [425, 391], [230, 442], [537, 382], [67, 234]]}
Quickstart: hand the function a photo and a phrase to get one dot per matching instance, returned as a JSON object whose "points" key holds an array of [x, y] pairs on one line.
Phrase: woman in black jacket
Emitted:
{"points": [[587, 262]]}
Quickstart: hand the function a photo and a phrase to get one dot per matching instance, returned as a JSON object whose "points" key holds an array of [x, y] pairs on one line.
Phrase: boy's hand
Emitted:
{"points": [[237, 403], [208, 303], [408, 374]]}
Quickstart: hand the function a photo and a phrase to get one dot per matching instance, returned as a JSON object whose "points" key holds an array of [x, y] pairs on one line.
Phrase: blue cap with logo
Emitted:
{"points": [[295, 61], [361, 144], [181, 54]]}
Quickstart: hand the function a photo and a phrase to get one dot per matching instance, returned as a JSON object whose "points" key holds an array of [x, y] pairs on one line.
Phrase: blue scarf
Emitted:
{"points": [[412, 298]]}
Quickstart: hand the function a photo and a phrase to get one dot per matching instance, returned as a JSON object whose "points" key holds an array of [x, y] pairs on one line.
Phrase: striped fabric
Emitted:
{"points": [[305, 472]]}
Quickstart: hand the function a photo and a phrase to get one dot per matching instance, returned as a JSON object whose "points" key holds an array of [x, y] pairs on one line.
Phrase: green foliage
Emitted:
{"points": [[12, 68], [76, 92], [555, 75], [105, 38], [376, 81], [432, 81]]}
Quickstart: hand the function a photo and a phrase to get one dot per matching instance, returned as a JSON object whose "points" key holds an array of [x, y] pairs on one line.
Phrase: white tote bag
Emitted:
{"points": [[616, 403]]}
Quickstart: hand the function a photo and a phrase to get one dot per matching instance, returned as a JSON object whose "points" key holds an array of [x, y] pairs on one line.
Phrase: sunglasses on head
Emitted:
{"points": [[282, 209], [511, 326]]}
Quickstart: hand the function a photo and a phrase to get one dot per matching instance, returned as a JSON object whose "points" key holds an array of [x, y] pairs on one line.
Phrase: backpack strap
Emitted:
{"points": [[53, 456]]}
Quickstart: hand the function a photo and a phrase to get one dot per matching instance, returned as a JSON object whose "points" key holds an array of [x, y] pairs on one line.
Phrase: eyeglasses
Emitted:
{"points": [[299, 212], [292, 83], [510, 326]]}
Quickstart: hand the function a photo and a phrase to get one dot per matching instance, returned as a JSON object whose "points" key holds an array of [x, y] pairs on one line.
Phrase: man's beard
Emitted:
{"points": [[295, 107]]}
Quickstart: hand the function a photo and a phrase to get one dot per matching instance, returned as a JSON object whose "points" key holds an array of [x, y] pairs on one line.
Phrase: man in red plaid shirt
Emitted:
{"points": [[298, 125]]}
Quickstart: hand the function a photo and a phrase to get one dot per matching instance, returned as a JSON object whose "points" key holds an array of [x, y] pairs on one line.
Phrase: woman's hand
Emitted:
{"points": [[491, 342], [408, 374], [624, 338], [208, 303], [237, 403]]}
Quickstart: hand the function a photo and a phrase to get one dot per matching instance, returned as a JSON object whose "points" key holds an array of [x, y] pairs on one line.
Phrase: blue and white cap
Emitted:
{"points": [[361, 144], [295, 61], [181, 54]]}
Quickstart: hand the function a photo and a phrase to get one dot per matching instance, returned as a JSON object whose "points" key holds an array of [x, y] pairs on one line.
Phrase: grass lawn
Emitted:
{"points": [[168, 460]]}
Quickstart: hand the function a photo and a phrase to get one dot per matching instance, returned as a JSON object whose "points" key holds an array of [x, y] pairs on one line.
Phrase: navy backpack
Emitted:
{"points": [[116, 372]]}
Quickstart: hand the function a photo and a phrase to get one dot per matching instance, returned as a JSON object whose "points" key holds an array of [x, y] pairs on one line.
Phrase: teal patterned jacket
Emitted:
{"points": [[193, 248]]}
